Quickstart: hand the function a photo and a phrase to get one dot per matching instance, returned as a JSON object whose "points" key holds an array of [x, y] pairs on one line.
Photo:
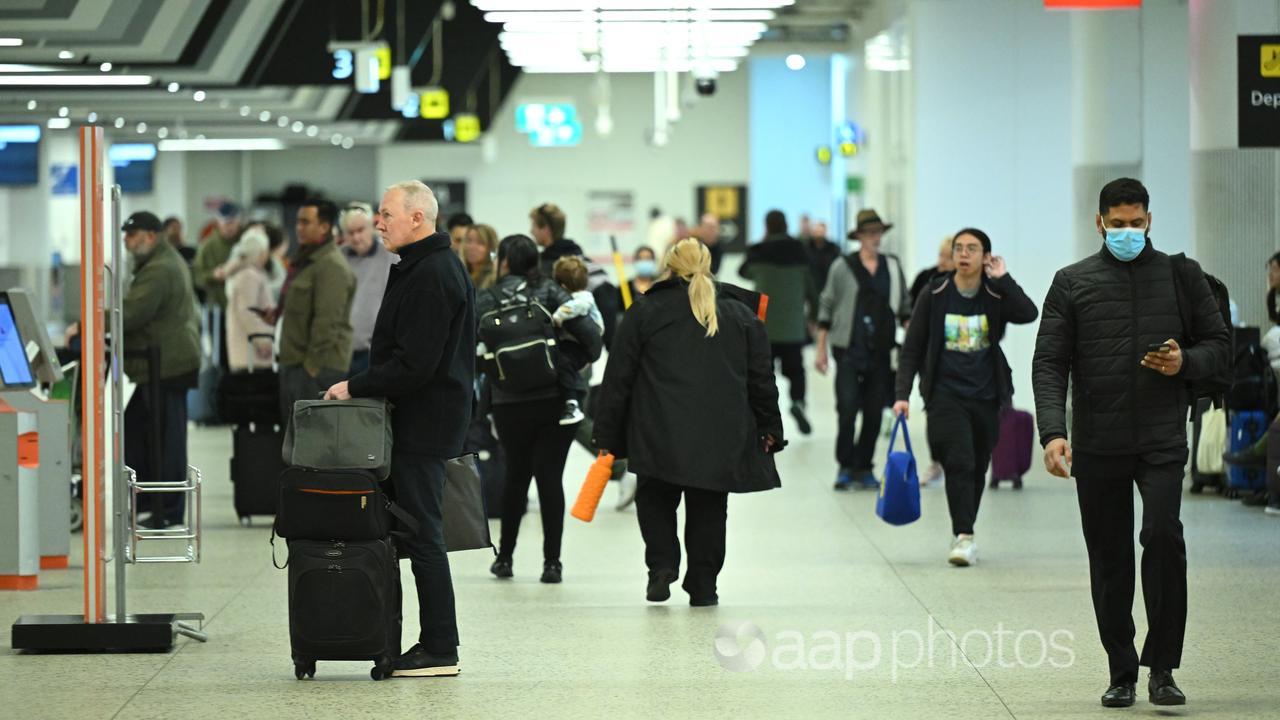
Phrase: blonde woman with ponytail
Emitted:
{"points": [[689, 398]]}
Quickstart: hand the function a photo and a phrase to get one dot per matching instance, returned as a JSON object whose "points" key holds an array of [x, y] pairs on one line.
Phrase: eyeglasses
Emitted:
{"points": [[967, 249]]}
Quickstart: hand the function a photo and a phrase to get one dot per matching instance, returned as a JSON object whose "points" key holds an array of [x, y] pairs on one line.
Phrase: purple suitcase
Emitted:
{"points": [[1011, 457]]}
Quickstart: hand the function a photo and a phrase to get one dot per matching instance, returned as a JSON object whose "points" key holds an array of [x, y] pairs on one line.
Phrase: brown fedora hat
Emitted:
{"points": [[867, 219]]}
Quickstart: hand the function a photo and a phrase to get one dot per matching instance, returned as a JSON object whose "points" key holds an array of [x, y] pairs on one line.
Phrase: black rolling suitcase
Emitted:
{"points": [[344, 604], [255, 469]]}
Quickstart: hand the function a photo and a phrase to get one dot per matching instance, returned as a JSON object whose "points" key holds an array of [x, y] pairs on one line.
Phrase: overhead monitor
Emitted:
{"points": [[15, 370], [19, 154], [133, 166]]}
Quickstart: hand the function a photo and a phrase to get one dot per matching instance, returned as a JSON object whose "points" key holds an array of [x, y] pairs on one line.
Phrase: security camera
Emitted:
{"points": [[704, 79]]}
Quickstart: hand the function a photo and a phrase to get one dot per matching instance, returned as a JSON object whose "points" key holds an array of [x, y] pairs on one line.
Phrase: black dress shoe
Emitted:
{"points": [[551, 572], [1122, 695], [659, 585], [707, 601], [501, 568], [1162, 690]]}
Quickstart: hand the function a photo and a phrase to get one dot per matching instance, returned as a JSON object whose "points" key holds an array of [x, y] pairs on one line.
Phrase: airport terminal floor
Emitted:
{"points": [[851, 613]]}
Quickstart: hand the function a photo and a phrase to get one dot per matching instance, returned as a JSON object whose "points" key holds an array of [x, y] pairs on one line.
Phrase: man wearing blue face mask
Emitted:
{"points": [[1114, 324]]}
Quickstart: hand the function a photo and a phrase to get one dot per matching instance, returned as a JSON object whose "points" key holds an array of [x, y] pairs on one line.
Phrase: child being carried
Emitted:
{"points": [[571, 273]]}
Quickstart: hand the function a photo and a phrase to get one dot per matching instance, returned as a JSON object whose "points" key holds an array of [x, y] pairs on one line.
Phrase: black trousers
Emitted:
{"points": [[859, 391], [140, 425], [705, 516], [792, 357], [536, 446], [418, 485], [962, 433], [1104, 488]]}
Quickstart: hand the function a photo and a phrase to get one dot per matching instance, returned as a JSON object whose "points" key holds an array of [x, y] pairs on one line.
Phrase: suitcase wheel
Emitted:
{"points": [[304, 669], [380, 672], [246, 521]]}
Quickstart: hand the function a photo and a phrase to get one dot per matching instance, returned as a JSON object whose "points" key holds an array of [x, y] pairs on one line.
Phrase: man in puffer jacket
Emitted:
{"points": [[1113, 323]]}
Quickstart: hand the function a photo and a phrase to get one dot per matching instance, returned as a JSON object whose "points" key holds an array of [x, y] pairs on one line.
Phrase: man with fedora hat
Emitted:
{"points": [[861, 307], [159, 317]]}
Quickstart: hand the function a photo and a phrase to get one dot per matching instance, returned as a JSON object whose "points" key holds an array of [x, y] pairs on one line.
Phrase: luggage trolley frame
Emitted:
{"points": [[95, 630]]}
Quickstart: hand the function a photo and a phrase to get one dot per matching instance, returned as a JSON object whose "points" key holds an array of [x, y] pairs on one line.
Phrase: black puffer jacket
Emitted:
{"points": [[1098, 319], [686, 408], [550, 296]]}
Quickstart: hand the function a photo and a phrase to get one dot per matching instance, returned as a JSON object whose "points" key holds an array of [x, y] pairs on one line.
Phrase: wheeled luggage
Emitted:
{"points": [[1247, 427], [255, 469], [253, 395], [1011, 457], [344, 604]]}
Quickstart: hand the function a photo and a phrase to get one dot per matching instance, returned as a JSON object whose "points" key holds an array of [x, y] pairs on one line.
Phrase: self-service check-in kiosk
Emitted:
{"points": [[114, 540], [35, 449]]}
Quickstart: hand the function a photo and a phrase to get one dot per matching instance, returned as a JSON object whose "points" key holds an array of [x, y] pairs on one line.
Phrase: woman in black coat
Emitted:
{"points": [[689, 399], [528, 423]]}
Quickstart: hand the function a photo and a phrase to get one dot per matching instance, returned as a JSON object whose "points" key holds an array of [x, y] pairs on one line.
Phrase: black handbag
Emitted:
{"points": [[466, 526]]}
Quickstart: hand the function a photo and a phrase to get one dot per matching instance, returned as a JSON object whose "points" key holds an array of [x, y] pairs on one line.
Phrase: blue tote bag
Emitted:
{"points": [[899, 501]]}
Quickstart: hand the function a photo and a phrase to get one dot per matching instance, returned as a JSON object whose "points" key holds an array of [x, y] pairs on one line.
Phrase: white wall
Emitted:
{"points": [[708, 145], [993, 140]]}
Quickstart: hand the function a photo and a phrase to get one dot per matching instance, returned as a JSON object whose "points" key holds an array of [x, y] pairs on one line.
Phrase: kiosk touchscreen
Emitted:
{"points": [[15, 370]]}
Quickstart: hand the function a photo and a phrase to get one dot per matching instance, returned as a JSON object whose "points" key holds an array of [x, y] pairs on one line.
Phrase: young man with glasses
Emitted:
{"points": [[953, 343]]}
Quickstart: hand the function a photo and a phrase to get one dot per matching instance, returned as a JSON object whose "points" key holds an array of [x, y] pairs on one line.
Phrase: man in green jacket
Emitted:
{"points": [[213, 252], [315, 307], [780, 268], [159, 322]]}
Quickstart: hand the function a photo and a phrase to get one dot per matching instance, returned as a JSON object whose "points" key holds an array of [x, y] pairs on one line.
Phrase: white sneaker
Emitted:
{"points": [[626, 491], [1273, 510], [964, 552]]}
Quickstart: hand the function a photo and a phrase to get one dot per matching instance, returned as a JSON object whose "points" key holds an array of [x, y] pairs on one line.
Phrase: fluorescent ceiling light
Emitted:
{"points": [[624, 65], [611, 16], [11, 68], [66, 55], [59, 123], [55, 79], [223, 144], [494, 5], [10, 42]]}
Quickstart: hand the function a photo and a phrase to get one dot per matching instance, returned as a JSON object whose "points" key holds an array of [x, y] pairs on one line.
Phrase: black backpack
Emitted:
{"points": [[1217, 385], [519, 342]]}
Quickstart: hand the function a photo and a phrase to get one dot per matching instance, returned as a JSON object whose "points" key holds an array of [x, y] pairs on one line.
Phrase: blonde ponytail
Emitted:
{"points": [[689, 260]]}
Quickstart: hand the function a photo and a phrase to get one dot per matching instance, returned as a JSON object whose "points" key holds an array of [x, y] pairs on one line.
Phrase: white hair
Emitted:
{"points": [[252, 243], [417, 196], [355, 209]]}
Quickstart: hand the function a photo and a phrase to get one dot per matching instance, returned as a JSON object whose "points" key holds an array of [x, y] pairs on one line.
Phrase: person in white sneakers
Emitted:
{"points": [[953, 343]]}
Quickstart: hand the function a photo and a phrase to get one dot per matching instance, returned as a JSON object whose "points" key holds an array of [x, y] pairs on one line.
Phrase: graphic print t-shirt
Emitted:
{"points": [[966, 367]]}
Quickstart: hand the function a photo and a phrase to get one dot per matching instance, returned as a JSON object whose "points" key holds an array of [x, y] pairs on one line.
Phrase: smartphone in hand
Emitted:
{"points": [[1159, 347]]}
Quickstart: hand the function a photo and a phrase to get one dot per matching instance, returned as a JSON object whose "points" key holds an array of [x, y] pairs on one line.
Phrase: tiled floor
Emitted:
{"points": [[840, 614]]}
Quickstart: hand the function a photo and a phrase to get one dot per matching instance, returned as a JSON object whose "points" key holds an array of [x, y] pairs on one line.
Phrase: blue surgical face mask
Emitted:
{"points": [[1126, 243], [645, 268]]}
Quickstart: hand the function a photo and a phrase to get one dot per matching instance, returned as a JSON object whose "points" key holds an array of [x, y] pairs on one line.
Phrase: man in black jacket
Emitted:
{"points": [[1113, 322], [422, 359]]}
